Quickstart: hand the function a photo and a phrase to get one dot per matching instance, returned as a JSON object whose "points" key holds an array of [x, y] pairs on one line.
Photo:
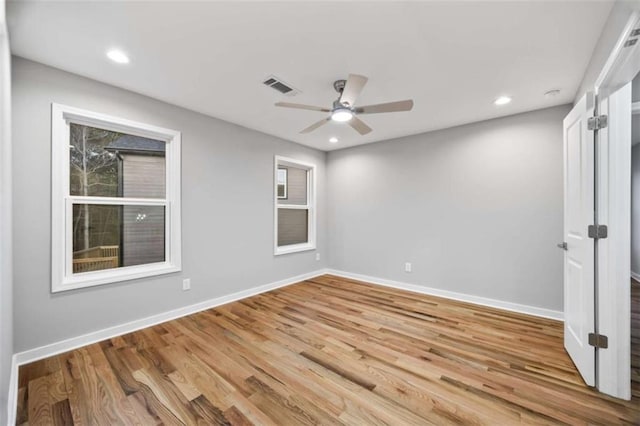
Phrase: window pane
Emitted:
{"points": [[296, 188], [110, 164], [282, 184], [292, 226], [106, 237]]}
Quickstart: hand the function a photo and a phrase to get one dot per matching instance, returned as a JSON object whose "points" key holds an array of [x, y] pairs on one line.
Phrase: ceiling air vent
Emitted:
{"points": [[279, 85]]}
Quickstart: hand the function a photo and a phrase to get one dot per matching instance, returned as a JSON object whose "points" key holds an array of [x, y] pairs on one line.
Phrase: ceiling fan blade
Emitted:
{"points": [[359, 125], [352, 88], [301, 106], [386, 107], [316, 125]]}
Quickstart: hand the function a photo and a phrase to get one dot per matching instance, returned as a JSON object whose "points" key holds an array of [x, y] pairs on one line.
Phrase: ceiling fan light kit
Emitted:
{"points": [[344, 110], [341, 114]]}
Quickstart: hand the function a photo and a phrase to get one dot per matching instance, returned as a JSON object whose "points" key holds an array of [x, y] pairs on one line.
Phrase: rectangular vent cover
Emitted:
{"points": [[279, 85]]}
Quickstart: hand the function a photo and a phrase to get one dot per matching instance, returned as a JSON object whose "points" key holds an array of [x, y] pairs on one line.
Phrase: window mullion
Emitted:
{"points": [[295, 206], [118, 201]]}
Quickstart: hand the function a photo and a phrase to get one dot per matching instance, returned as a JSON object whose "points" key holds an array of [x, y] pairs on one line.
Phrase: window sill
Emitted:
{"points": [[293, 248], [91, 279]]}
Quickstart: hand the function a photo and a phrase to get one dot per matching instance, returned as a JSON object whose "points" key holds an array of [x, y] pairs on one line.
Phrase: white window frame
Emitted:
{"points": [[310, 206], [62, 276]]}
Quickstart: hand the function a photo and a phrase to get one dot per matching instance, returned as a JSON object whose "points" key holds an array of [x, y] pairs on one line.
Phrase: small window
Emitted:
{"points": [[294, 206], [116, 199], [282, 184]]}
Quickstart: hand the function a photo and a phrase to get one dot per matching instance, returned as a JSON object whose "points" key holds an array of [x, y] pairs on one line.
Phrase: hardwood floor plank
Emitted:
{"points": [[56, 387], [77, 404], [22, 413], [209, 413], [236, 417], [188, 390], [635, 339], [335, 366], [61, 413], [38, 403], [202, 378], [145, 413], [328, 351], [173, 406], [122, 369]]}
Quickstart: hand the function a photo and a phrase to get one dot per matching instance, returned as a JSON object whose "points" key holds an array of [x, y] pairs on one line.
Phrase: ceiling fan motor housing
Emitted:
{"points": [[339, 105]]}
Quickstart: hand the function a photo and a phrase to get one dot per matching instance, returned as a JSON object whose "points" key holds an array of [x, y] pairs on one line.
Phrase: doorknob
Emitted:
{"points": [[563, 246]]}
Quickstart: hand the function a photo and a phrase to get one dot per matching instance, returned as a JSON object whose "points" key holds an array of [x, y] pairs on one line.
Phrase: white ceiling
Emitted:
{"points": [[452, 58]]}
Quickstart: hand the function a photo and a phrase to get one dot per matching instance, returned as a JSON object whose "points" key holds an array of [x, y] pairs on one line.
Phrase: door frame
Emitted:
{"points": [[612, 208]]}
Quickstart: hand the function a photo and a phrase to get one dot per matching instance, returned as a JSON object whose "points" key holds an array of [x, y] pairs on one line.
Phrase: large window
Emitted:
{"points": [[294, 196], [115, 199]]}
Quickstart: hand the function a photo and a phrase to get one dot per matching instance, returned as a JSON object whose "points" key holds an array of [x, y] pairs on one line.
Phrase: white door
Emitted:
{"points": [[614, 252], [579, 306]]}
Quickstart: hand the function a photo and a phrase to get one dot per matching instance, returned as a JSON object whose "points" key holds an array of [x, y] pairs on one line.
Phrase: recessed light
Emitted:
{"points": [[502, 100], [118, 56], [333, 139], [552, 93]]}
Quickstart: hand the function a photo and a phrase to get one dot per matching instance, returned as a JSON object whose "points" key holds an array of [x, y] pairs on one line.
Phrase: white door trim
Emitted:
{"points": [[617, 59]]}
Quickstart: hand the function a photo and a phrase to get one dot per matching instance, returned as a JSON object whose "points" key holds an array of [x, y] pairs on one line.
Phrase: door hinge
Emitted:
{"points": [[597, 231], [598, 122], [599, 341]]}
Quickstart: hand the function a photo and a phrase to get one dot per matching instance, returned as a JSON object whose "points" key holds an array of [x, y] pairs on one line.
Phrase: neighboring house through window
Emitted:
{"points": [[295, 215], [116, 199], [282, 184]]}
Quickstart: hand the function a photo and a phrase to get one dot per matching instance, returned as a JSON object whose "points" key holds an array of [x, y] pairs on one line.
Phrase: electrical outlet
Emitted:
{"points": [[317, 256], [407, 267], [186, 284]]}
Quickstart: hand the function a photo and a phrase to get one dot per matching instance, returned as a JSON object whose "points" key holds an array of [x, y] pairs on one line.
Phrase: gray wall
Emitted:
{"points": [[451, 202], [477, 209], [227, 231], [635, 210], [6, 284]]}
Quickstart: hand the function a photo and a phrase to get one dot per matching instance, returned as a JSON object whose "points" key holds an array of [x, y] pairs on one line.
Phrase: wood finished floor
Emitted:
{"points": [[325, 351], [635, 340]]}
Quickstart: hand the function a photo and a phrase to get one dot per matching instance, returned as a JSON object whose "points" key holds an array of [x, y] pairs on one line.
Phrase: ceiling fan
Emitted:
{"points": [[344, 109]]}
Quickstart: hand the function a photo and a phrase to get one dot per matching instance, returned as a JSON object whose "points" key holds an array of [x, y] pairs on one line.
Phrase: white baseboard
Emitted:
{"points": [[635, 276], [56, 348], [62, 346], [12, 397], [484, 301]]}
